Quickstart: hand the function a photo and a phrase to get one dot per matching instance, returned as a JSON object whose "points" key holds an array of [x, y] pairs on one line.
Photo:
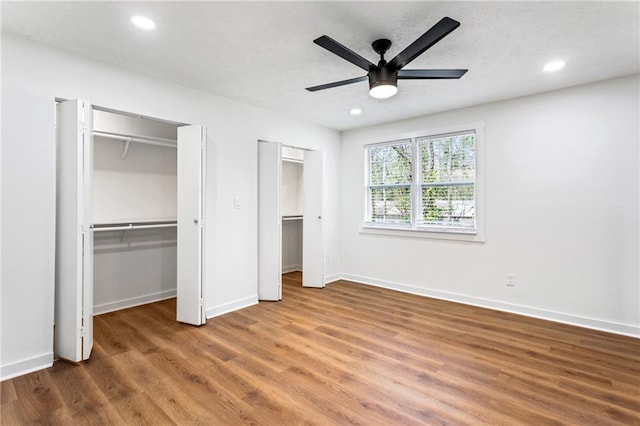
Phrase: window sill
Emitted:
{"points": [[439, 234]]}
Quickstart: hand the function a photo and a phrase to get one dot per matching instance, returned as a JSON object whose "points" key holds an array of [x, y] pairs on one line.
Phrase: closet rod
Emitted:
{"points": [[140, 139], [131, 226]]}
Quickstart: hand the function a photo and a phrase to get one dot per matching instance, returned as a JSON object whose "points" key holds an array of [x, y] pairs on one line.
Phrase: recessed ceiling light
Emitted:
{"points": [[554, 66], [355, 111], [143, 22]]}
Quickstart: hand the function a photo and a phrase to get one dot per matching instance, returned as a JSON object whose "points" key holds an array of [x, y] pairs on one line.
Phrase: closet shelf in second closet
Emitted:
{"points": [[294, 217]]}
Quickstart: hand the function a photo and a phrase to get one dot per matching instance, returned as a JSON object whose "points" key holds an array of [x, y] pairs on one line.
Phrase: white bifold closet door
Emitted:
{"points": [[191, 222], [74, 237], [312, 240], [269, 221]]}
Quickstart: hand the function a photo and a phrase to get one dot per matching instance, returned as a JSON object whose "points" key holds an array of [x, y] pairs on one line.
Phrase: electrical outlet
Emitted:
{"points": [[236, 202], [511, 280], [327, 259]]}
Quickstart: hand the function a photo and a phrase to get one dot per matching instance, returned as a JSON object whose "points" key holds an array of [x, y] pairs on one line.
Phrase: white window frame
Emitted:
{"points": [[420, 231]]}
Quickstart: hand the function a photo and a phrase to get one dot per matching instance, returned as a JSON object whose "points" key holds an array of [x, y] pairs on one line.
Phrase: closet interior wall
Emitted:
{"points": [[134, 184], [291, 206]]}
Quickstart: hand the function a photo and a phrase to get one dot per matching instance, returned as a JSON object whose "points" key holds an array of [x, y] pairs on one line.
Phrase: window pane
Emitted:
{"points": [[391, 205], [448, 206], [390, 164], [448, 159]]}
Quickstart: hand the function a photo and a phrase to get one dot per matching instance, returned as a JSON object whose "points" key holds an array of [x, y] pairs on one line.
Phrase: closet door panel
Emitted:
{"points": [[190, 273], [87, 247], [269, 221], [74, 248], [312, 240]]}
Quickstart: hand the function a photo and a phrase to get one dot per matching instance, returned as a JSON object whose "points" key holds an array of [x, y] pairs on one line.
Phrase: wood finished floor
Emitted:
{"points": [[346, 354]]}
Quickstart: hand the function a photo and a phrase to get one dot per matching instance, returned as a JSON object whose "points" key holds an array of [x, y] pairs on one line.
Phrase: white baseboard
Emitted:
{"points": [[26, 366], [332, 278], [298, 268], [596, 324], [134, 301], [232, 306]]}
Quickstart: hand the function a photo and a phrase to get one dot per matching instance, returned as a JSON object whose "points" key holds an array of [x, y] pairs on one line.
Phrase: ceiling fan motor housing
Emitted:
{"points": [[382, 77]]}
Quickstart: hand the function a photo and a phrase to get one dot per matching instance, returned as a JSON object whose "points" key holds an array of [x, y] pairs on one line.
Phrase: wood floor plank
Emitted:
{"points": [[345, 354], [77, 389], [140, 409], [173, 402], [111, 380], [7, 392], [37, 394]]}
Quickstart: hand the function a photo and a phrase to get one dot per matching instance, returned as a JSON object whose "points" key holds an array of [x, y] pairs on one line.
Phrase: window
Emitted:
{"points": [[390, 182], [424, 183]]}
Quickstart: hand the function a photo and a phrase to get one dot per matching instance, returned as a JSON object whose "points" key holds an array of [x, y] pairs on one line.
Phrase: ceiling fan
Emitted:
{"points": [[383, 78]]}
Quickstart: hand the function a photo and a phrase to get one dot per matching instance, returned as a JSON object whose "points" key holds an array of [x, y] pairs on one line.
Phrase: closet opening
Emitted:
{"points": [[135, 221], [290, 206], [130, 219]]}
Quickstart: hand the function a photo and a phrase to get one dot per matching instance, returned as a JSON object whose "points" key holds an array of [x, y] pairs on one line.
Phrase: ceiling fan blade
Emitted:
{"points": [[425, 41], [429, 74], [337, 83], [345, 53]]}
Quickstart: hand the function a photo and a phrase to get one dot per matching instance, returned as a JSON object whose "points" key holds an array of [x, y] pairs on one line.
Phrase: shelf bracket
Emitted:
{"points": [[125, 148]]}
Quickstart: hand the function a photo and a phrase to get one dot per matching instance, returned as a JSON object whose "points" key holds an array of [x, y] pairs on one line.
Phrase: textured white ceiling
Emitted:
{"points": [[262, 53]]}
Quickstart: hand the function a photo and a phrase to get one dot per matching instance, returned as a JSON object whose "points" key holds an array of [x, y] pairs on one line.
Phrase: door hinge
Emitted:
{"points": [[202, 302], [81, 332]]}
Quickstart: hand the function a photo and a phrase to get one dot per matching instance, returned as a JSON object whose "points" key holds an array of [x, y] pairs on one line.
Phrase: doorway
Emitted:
{"points": [[304, 210]]}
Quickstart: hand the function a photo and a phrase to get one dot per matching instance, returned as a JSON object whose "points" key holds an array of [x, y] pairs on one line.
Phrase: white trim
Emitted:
{"points": [[591, 323], [439, 234], [133, 301], [26, 366], [232, 306], [291, 268], [453, 129], [328, 279]]}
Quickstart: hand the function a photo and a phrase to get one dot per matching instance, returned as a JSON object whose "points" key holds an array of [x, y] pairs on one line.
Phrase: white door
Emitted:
{"points": [[269, 221], [74, 237], [191, 201], [312, 241]]}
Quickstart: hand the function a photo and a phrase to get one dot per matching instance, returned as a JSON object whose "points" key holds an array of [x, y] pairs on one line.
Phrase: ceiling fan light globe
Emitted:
{"points": [[383, 91], [383, 83]]}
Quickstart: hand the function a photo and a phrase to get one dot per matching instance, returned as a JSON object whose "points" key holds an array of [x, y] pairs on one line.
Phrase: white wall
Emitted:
{"points": [[133, 267], [562, 184], [291, 191], [139, 266], [291, 245], [142, 186], [292, 204], [32, 76]]}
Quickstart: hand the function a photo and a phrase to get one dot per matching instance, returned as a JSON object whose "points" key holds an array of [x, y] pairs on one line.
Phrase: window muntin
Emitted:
{"points": [[426, 183]]}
